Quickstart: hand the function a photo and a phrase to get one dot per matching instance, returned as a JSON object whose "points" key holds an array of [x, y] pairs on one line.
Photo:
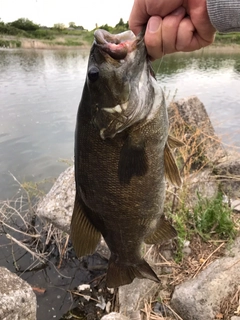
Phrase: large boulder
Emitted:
{"points": [[200, 298], [17, 299], [57, 206]]}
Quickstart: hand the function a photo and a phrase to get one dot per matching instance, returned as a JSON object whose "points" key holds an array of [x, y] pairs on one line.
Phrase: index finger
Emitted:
{"points": [[142, 10]]}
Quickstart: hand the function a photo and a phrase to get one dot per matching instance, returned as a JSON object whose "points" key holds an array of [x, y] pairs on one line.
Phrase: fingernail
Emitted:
{"points": [[178, 11], [153, 24]]}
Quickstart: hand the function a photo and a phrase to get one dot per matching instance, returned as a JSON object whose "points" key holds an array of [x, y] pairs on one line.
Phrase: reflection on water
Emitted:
{"points": [[40, 91]]}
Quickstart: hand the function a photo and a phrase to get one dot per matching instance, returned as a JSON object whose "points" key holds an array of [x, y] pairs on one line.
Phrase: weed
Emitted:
{"points": [[213, 217]]}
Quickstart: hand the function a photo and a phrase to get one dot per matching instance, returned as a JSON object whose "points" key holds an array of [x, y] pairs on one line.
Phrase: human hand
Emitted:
{"points": [[177, 25]]}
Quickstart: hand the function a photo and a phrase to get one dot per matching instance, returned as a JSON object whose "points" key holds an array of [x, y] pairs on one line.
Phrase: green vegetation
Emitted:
{"points": [[211, 219], [25, 28], [10, 43], [24, 24], [57, 35], [227, 38]]}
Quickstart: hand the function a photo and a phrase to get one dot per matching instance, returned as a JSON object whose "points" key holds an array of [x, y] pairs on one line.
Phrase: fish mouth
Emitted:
{"points": [[116, 46]]}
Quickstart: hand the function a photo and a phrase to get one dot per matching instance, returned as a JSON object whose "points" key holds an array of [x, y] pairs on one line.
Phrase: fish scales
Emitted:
{"points": [[121, 149]]}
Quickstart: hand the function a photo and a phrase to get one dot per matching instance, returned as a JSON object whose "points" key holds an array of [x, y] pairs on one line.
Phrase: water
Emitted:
{"points": [[39, 95]]}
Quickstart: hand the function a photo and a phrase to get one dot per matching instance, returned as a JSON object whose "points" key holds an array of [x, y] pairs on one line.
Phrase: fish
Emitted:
{"points": [[122, 158]]}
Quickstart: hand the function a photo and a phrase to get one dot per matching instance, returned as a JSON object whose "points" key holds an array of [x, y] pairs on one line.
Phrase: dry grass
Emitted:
{"points": [[18, 221]]}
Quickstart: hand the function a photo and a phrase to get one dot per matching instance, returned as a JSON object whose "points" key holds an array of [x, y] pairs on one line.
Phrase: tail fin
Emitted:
{"points": [[120, 274]]}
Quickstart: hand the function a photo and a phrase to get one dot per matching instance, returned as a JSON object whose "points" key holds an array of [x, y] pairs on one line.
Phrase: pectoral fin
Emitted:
{"points": [[133, 161], [171, 169], [174, 142], [164, 231], [84, 235]]}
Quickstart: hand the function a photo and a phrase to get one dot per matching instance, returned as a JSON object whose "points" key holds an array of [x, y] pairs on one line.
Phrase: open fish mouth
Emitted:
{"points": [[116, 45]]}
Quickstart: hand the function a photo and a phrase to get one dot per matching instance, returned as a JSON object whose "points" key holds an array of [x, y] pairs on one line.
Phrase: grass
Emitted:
{"points": [[10, 43], [227, 38]]}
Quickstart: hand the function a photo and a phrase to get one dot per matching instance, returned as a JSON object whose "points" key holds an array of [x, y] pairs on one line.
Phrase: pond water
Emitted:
{"points": [[39, 95]]}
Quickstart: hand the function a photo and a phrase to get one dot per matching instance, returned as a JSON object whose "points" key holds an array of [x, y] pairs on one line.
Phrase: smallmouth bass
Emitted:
{"points": [[122, 156]]}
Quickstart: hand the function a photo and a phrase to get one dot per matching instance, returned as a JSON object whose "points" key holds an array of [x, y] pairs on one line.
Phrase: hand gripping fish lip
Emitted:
{"points": [[117, 46]]}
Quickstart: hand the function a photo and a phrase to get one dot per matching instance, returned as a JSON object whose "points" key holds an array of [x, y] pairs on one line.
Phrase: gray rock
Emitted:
{"points": [[200, 298], [132, 296], [235, 205], [114, 316], [17, 299], [204, 183], [228, 174], [57, 205]]}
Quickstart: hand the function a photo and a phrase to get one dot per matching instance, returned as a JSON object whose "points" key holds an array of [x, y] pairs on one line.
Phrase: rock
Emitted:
{"points": [[57, 206], [114, 316], [133, 295], [200, 298], [191, 114], [202, 182], [228, 174], [17, 299], [235, 205]]}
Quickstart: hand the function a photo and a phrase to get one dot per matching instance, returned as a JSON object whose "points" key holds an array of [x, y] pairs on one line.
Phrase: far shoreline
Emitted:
{"points": [[10, 42]]}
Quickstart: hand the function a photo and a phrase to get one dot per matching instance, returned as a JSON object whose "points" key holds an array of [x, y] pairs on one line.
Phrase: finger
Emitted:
{"points": [[198, 12], [153, 37], [186, 40], [142, 10], [170, 26]]}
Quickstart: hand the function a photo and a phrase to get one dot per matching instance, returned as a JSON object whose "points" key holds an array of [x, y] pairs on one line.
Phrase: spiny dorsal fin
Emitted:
{"points": [[164, 231], [133, 161], [171, 169], [84, 235], [174, 142]]}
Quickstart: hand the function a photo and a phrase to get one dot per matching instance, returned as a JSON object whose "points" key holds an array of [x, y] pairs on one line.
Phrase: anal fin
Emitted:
{"points": [[84, 235], [164, 231], [119, 274], [171, 169]]}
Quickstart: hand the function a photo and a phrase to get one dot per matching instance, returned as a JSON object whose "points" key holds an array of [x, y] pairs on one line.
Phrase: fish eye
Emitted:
{"points": [[93, 74]]}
